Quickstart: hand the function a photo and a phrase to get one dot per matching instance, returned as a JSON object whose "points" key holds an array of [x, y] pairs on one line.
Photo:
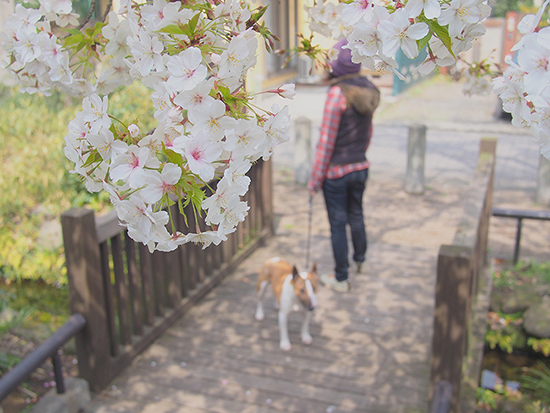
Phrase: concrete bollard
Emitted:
{"points": [[416, 154], [543, 184], [302, 150]]}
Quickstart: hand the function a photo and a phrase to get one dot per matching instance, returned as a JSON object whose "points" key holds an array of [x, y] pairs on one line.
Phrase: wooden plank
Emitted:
{"points": [[134, 287], [237, 396], [196, 362], [109, 297], [86, 294], [146, 263], [158, 282], [107, 226], [182, 254], [173, 272], [121, 291]]}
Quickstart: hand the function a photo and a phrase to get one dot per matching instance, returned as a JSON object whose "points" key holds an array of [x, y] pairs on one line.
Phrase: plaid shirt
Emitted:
{"points": [[335, 105]]}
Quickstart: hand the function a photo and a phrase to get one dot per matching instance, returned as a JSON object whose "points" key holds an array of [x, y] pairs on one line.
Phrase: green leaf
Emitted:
{"points": [[424, 41], [98, 27], [442, 33], [193, 23], [173, 156], [175, 29], [92, 158], [72, 40], [226, 93], [261, 11]]}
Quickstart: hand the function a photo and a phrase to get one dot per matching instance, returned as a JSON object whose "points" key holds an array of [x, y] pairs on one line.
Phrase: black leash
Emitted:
{"points": [[308, 241]]}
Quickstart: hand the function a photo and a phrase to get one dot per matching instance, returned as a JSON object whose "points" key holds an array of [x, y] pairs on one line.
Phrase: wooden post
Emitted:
{"points": [[451, 315], [458, 269], [87, 296]]}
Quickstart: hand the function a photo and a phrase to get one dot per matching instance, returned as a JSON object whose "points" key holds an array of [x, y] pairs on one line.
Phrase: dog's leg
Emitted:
{"points": [[284, 342], [260, 295], [306, 318]]}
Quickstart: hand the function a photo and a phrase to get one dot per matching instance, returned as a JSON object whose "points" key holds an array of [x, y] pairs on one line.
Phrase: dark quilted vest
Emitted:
{"points": [[353, 132]]}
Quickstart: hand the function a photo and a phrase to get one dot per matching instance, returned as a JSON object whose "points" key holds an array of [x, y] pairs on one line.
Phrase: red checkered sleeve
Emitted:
{"points": [[335, 105]]}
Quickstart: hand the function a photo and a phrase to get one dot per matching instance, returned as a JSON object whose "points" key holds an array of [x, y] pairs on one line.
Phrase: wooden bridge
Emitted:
{"points": [[372, 348], [370, 351]]}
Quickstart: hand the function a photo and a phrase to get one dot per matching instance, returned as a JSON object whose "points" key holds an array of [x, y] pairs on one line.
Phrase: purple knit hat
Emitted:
{"points": [[343, 65]]}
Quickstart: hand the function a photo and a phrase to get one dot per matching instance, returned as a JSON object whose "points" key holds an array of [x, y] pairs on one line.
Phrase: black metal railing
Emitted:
{"points": [[49, 348], [520, 215]]}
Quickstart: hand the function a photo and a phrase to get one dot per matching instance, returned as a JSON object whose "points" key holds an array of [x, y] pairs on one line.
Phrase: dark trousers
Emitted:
{"points": [[344, 202]]}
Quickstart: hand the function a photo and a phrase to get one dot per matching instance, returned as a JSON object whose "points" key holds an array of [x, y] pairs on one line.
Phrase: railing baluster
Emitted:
{"points": [[58, 372], [121, 291]]}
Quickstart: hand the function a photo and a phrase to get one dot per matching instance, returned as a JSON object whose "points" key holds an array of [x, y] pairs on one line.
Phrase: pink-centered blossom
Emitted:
{"points": [[186, 70], [160, 184], [200, 153]]}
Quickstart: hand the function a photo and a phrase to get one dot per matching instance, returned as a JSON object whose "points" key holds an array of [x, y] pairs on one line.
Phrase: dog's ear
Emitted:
{"points": [[295, 273], [314, 269]]}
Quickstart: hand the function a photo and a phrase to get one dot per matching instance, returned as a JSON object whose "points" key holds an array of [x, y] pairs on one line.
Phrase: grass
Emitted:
{"points": [[524, 272]]}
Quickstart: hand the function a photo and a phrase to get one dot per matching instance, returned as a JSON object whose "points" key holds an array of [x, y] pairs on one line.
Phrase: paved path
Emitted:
{"points": [[371, 347]]}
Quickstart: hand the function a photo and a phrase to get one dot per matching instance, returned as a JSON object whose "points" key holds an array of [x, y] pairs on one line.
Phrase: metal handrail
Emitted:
{"points": [[520, 215], [49, 348]]}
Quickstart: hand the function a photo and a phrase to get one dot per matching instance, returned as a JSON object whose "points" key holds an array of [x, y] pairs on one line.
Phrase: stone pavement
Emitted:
{"points": [[371, 347]]}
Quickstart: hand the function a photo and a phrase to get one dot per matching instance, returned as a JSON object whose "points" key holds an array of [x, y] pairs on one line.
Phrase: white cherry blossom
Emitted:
{"points": [[200, 153], [160, 184], [186, 70]]}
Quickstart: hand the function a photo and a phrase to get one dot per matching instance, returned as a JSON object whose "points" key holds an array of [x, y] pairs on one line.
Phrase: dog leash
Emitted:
{"points": [[308, 241]]}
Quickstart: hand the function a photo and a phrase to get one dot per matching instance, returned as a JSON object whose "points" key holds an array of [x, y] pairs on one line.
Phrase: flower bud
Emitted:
{"points": [[287, 91], [134, 130]]}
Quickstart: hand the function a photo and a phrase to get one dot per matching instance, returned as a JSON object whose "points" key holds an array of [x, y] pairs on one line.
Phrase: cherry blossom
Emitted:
{"points": [[160, 184], [200, 153]]}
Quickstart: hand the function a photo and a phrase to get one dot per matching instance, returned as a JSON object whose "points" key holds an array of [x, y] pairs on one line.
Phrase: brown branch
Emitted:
{"points": [[89, 16], [107, 10]]}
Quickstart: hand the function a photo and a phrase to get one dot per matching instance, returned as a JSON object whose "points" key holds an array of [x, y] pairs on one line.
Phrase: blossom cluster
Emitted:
{"points": [[194, 56], [376, 30], [524, 88]]}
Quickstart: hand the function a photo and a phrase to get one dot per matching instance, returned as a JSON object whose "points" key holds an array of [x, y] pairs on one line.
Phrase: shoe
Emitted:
{"points": [[331, 282], [359, 267]]}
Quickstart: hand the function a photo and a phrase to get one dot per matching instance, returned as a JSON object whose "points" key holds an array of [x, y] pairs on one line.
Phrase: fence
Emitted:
{"points": [[129, 296], [460, 297]]}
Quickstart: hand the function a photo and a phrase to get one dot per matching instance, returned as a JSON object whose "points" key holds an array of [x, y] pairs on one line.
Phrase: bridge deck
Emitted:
{"points": [[371, 347]]}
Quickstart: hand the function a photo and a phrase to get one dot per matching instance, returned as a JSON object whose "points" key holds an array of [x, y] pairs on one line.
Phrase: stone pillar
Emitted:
{"points": [[302, 150], [543, 184], [416, 154]]}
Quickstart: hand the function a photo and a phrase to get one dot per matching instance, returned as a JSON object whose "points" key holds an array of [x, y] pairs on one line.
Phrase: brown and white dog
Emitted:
{"points": [[293, 291]]}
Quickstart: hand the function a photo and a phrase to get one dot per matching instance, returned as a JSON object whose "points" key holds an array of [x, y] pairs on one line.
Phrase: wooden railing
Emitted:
{"points": [[129, 296], [456, 351]]}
